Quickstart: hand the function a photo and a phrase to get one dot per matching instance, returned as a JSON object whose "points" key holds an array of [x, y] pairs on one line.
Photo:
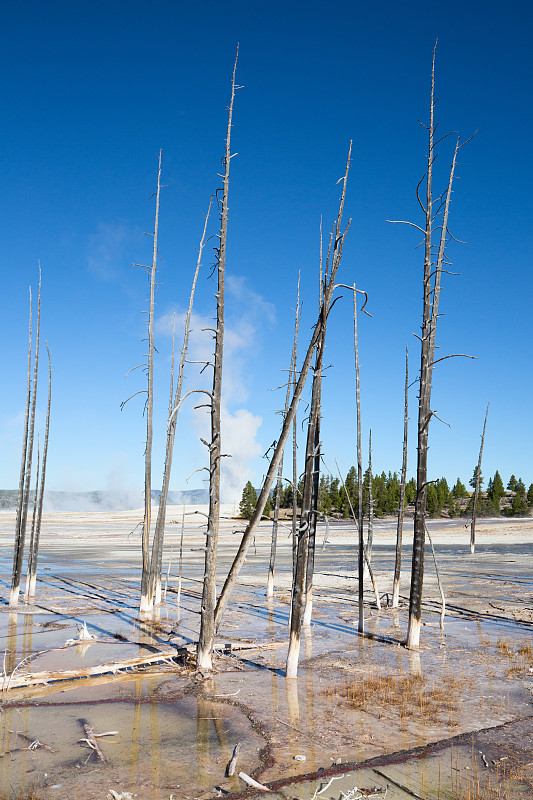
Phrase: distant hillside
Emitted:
{"points": [[104, 500]]}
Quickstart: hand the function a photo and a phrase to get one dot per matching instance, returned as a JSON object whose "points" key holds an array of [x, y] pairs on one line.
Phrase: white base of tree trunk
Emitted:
{"points": [[413, 635], [14, 596], [270, 585], [396, 596], [204, 660], [472, 549], [157, 599], [145, 606], [291, 670]]}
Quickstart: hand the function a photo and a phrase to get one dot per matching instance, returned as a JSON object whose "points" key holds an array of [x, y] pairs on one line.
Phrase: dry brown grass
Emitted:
{"points": [[409, 695]]}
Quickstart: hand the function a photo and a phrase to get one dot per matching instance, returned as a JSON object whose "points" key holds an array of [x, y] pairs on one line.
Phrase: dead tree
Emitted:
{"points": [[207, 614], [34, 517], [433, 263], [27, 449], [399, 528], [247, 538], [145, 604], [309, 511], [307, 517], [476, 491], [157, 545], [34, 546], [290, 385], [361, 546], [23, 457]]}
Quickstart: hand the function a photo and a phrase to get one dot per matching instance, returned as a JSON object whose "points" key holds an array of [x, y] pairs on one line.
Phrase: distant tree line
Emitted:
{"points": [[512, 501]]}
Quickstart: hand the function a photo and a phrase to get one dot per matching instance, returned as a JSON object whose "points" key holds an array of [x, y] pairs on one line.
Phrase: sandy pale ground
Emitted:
{"points": [[355, 698]]}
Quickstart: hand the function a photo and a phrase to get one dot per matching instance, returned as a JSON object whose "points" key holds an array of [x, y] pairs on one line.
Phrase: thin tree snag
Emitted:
{"points": [[363, 549], [272, 563], [312, 475], [240, 557], [399, 529], [157, 546], [23, 456], [33, 522], [431, 294], [35, 550], [312, 456], [19, 545], [207, 613], [145, 604], [476, 491]]}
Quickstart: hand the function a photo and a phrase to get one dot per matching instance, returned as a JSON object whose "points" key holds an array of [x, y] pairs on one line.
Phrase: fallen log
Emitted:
{"points": [[45, 678]]}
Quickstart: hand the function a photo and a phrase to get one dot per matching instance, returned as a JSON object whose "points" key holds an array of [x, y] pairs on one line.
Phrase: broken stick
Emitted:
{"points": [[230, 769]]}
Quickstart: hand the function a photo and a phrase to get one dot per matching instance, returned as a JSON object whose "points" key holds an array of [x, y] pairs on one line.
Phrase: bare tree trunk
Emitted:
{"points": [[476, 492], [290, 384], [361, 566], [267, 484], [294, 479], [20, 501], [145, 604], [35, 553], [157, 546], [33, 522], [312, 449], [19, 547], [399, 529], [207, 615], [429, 326]]}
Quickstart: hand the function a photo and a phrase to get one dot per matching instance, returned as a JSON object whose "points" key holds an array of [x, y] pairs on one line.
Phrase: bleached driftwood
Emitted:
{"points": [[91, 739], [250, 781], [230, 769], [43, 678]]}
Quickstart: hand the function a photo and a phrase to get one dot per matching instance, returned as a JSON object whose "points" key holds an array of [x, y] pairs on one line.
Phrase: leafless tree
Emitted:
{"points": [[20, 535], [436, 223], [361, 546], [145, 604], [207, 614], [34, 546], [290, 386], [399, 528], [476, 490], [307, 517], [157, 545], [247, 538]]}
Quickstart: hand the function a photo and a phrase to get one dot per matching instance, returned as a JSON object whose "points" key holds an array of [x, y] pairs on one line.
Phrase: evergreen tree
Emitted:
{"points": [[432, 502], [268, 508], [248, 501], [474, 478], [497, 486], [512, 484], [459, 490], [324, 495], [520, 488], [530, 494], [410, 491], [286, 496], [519, 506]]}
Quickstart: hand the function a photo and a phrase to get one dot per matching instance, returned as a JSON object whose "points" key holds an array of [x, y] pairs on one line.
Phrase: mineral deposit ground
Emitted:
{"points": [[365, 717]]}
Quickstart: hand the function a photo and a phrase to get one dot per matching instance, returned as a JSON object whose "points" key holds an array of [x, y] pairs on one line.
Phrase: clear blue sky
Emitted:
{"points": [[92, 90]]}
